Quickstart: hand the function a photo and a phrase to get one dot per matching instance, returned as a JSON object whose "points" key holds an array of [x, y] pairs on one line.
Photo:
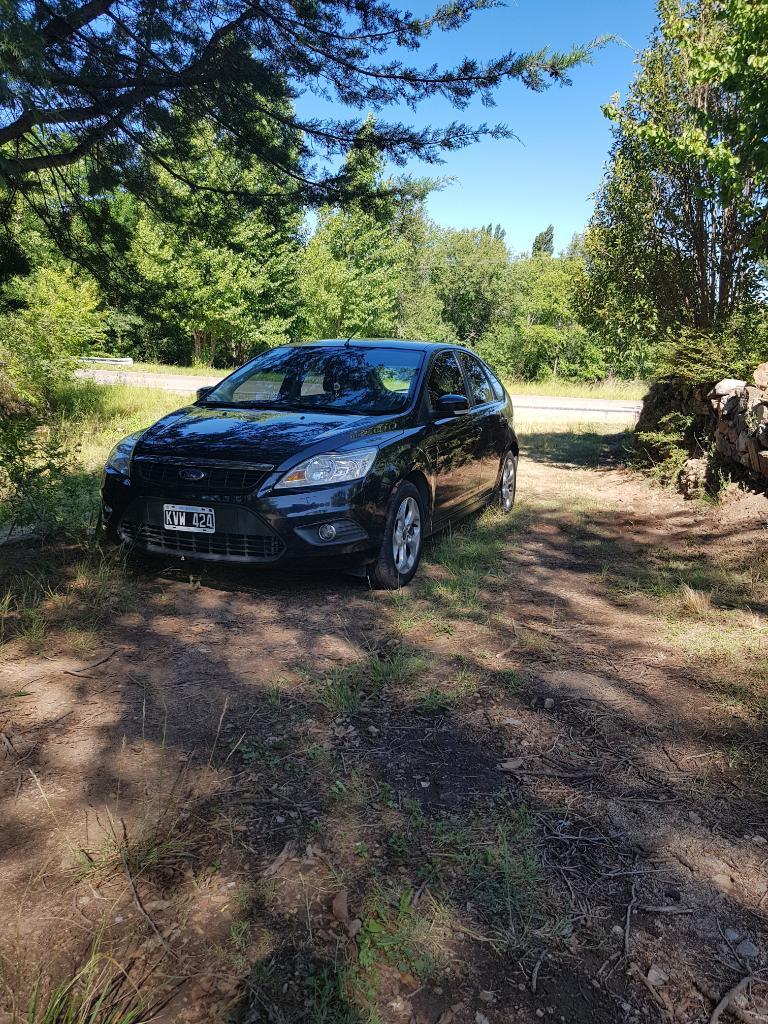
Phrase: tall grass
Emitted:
{"points": [[630, 390]]}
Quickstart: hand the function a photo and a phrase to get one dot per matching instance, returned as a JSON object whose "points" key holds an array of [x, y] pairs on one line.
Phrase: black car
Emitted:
{"points": [[350, 450]]}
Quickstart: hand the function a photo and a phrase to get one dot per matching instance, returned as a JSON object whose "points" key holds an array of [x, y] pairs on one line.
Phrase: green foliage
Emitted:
{"points": [[89, 102], [350, 277], [56, 318], [729, 59], [213, 277], [544, 242], [669, 246], [469, 270], [539, 336]]}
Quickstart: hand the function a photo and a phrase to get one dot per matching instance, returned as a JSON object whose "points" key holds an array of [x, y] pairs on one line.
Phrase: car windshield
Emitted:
{"points": [[340, 379]]}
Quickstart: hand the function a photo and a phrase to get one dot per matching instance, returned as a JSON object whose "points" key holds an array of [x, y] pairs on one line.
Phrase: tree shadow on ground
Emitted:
{"points": [[523, 805]]}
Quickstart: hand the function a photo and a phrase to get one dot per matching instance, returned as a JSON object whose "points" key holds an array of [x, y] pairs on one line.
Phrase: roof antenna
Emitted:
{"points": [[352, 335]]}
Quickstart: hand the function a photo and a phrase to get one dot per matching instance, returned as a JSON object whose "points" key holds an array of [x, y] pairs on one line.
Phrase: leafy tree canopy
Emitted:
{"points": [[544, 242], [91, 91]]}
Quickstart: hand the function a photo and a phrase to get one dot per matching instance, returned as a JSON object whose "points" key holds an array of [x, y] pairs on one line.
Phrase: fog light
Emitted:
{"points": [[326, 531]]}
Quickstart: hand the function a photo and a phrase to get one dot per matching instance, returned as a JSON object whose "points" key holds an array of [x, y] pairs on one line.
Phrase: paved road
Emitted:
{"points": [[538, 405]]}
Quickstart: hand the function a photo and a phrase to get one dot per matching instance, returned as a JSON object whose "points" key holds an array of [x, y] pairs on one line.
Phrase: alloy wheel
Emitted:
{"points": [[406, 535]]}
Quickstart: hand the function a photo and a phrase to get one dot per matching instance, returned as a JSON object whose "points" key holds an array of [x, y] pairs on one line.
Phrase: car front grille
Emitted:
{"points": [[218, 478], [253, 547]]}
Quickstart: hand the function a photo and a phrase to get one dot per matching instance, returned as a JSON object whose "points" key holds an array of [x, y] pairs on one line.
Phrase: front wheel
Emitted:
{"points": [[401, 547], [508, 484]]}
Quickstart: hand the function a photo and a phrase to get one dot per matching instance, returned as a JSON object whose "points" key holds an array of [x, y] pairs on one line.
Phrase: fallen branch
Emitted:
{"points": [[83, 671], [535, 974], [628, 920], [140, 906], [728, 998]]}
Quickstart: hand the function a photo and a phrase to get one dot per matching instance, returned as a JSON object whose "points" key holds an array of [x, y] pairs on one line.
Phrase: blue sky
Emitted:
{"points": [[548, 176]]}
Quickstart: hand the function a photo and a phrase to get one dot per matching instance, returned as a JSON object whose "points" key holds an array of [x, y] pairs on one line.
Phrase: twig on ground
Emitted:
{"points": [[535, 972], [140, 905], [95, 664], [728, 998], [628, 920]]}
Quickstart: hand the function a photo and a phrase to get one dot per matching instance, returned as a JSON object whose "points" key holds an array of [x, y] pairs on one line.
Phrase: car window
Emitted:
{"points": [[498, 390], [478, 382], [347, 378], [445, 378]]}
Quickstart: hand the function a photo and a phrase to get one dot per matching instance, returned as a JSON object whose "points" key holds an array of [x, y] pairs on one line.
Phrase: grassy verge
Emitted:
{"points": [[88, 420], [192, 371], [632, 390]]}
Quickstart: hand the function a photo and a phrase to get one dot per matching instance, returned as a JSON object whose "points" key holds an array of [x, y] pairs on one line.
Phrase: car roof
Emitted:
{"points": [[424, 346]]}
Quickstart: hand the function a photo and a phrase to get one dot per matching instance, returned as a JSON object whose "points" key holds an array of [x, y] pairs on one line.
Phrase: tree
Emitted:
{"points": [[353, 265], [215, 278], [53, 317], [729, 55], [469, 273], [668, 247], [90, 92], [544, 242], [539, 335]]}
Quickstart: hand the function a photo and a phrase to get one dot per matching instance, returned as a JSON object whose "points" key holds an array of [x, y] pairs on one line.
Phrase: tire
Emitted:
{"points": [[505, 496], [397, 562]]}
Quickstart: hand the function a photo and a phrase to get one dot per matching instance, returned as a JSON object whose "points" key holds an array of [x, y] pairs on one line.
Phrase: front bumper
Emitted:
{"points": [[262, 527]]}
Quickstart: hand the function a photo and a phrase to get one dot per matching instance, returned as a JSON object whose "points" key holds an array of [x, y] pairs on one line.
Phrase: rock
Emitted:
{"points": [[732, 935], [487, 996], [549, 704], [725, 387], [656, 976], [480, 1018], [760, 376], [694, 818], [354, 927], [340, 906], [729, 405], [759, 840], [513, 765], [691, 480], [722, 881], [748, 950]]}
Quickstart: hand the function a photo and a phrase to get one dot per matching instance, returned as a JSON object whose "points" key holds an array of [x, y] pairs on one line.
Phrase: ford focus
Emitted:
{"points": [[353, 451]]}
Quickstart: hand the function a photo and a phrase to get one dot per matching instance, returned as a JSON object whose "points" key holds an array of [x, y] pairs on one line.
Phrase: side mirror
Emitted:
{"points": [[202, 392], [451, 405]]}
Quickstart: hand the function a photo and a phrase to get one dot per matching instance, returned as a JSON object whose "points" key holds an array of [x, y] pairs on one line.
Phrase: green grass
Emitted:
{"points": [[89, 420], [632, 390], [191, 371], [348, 688]]}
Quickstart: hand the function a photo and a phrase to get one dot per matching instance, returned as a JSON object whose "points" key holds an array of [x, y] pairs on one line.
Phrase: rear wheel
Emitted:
{"points": [[508, 484], [403, 540]]}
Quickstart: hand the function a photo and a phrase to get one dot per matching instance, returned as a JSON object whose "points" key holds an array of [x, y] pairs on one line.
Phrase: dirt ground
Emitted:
{"points": [[533, 785]]}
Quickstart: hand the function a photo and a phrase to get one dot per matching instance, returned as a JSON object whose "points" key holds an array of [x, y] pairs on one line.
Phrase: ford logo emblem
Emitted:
{"points": [[192, 475]]}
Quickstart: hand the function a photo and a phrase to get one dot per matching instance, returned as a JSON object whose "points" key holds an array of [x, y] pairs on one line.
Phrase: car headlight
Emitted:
{"points": [[329, 468], [119, 458]]}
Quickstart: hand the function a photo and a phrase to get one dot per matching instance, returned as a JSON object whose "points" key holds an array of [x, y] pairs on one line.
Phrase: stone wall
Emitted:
{"points": [[738, 415]]}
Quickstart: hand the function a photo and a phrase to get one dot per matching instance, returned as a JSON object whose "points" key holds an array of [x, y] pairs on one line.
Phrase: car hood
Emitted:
{"points": [[252, 435]]}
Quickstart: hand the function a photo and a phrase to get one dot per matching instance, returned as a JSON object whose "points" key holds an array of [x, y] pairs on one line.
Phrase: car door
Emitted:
{"points": [[487, 411], [452, 440]]}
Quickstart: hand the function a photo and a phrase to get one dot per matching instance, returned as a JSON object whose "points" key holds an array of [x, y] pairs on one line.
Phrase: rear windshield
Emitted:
{"points": [[348, 379]]}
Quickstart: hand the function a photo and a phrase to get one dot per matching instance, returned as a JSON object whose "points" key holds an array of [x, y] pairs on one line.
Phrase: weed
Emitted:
{"points": [[346, 689], [101, 992], [433, 701], [394, 934], [509, 679]]}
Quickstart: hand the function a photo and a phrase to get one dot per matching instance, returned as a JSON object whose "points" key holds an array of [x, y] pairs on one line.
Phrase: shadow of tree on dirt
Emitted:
{"points": [[497, 792]]}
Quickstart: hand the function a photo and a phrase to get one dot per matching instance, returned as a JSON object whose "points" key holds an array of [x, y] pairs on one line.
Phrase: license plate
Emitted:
{"points": [[193, 518]]}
